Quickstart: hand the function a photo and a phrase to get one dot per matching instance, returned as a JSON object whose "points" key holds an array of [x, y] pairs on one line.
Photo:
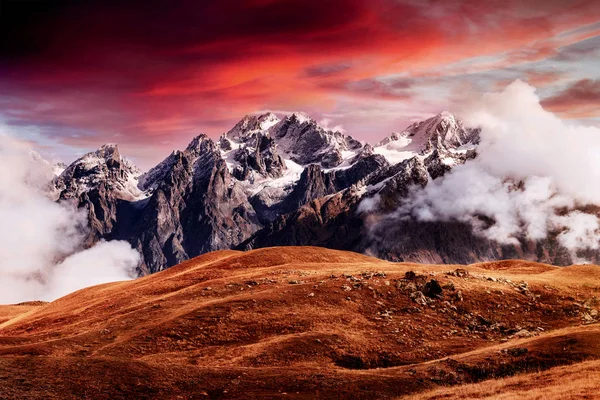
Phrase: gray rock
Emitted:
{"points": [[419, 298]]}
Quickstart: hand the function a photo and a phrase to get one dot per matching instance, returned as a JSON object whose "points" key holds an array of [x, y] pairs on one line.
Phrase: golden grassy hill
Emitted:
{"points": [[306, 322]]}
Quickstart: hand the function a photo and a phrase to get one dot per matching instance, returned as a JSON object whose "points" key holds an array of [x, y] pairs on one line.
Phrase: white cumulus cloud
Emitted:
{"points": [[41, 255]]}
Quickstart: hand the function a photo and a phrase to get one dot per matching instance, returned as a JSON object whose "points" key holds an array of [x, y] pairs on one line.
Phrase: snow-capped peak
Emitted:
{"points": [[250, 125], [300, 117], [267, 120], [443, 132], [446, 116], [103, 166], [200, 144]]}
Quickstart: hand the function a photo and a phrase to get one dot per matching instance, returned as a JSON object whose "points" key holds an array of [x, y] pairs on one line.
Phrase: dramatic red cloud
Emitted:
{"points": [[581, 100], [151, 74]]}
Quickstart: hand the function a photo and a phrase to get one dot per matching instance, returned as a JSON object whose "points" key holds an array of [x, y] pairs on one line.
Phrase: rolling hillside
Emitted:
{"points": [[306, 322]]}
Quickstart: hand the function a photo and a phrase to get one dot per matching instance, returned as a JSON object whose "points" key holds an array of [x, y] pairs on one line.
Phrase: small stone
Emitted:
{"points": [[419, 298], [460, 272], [410, 275], [587, 318], [523, 333], [432, 289], [516, 351]]}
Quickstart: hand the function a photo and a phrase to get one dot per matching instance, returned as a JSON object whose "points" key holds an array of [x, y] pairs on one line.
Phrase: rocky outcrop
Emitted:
{"points": [[258, 156]]}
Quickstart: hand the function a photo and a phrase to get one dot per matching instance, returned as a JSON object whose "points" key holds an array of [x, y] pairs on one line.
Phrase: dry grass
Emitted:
{"points": [[299, 322], [11, 312], [579, 381]]}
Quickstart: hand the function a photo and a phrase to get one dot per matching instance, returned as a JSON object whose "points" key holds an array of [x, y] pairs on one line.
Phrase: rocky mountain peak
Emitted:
{"points": [[104, 166], [443, 135], [251, 124], [108, 151], [304, 141], [300, 118], [199, 145], [443, 131]]}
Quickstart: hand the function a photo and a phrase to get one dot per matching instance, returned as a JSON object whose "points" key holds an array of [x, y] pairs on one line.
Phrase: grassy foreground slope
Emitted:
{"points": [[306, 322]]}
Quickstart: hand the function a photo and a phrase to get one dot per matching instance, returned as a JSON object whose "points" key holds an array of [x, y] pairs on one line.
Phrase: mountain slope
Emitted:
{"points": [[301, 323]]}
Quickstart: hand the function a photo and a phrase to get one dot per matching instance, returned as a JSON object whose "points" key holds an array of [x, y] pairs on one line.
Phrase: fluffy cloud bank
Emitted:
{"points": [[532, 173], [41, 255]]}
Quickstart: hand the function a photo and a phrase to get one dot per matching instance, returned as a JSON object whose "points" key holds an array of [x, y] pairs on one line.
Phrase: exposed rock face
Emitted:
{"points": [[197, 207], [305, 142], [271, 181], [260, 156], [103, 183]]}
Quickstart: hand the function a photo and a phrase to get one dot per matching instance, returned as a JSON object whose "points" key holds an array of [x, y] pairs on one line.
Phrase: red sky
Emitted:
{"points": [[152, 74]]}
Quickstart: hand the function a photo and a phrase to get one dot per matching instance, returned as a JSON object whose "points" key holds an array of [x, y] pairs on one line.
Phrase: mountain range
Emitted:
{"points": [[274, 181]]}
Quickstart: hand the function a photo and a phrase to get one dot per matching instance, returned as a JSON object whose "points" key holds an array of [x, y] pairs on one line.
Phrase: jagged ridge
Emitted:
{"points": [[271, 181]]}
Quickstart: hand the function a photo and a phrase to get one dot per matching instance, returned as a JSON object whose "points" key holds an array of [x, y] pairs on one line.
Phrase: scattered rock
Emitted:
{"points": [[589, 303], [515, 351], [419, 298], [459, 272], [370, 274], [433, 289], [587, 318], [483, 321], [523, 333], [449, 286], [410, 275], [458, 296]]}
